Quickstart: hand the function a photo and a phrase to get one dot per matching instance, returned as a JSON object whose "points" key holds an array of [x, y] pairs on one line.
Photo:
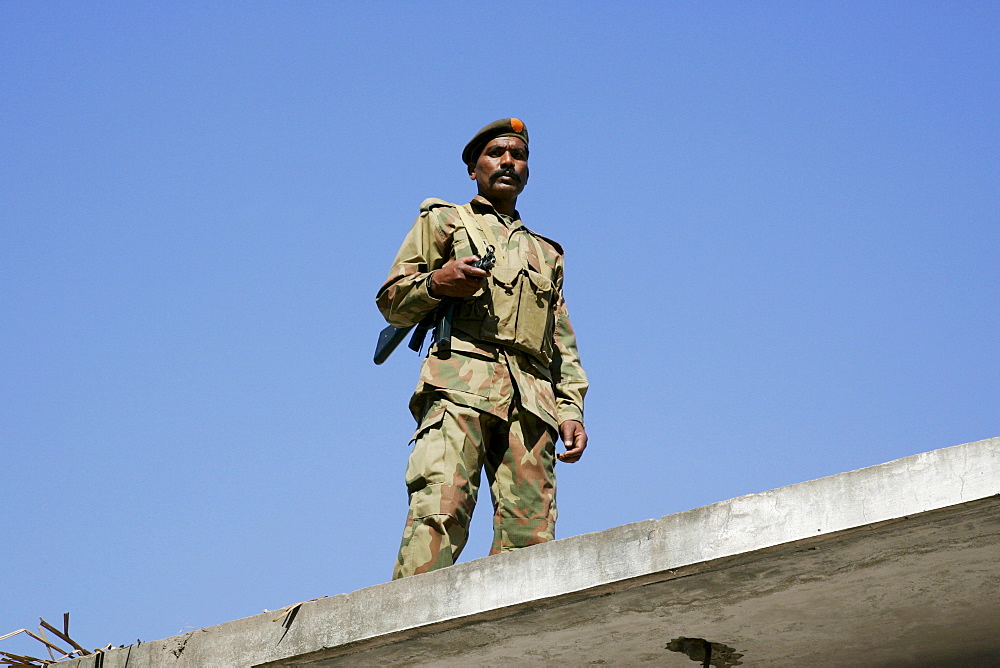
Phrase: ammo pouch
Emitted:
{"points": [[515, 307], [515, 311]]}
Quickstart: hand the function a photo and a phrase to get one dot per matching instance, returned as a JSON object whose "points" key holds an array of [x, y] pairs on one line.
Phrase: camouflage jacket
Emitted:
{"points": [[483, 373]]}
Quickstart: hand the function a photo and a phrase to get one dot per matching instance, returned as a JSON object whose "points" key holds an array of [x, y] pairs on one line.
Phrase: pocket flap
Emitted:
{"points": [[431, 419], [540, 283], [505, 277]]}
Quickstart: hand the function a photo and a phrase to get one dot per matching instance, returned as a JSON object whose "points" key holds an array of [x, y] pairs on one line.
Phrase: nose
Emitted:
{"points": [[506, 158]]}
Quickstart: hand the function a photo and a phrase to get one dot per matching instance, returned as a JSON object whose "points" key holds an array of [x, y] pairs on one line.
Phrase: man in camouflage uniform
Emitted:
{"points": [[513, 379]]}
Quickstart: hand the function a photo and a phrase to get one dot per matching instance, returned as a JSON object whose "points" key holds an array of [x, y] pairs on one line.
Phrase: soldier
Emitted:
{"points": [[512, 379]]}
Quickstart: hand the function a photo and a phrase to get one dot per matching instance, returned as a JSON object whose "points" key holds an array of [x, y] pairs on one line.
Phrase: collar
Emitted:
{"points": [[515, 220]]}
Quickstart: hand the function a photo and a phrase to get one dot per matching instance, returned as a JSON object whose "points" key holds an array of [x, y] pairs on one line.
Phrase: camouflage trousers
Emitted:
{"points": [[453, 445]]}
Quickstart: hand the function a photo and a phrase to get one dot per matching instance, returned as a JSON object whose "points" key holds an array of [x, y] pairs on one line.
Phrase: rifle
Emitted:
{"points": [[440, 318]]}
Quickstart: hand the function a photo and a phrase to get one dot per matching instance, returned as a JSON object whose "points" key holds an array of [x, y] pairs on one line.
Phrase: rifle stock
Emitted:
{"points": [[388, 339]]}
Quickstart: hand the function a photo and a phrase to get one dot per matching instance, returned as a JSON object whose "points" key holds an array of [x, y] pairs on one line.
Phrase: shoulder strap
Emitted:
{"points": [[461, 245], [476, 231]]}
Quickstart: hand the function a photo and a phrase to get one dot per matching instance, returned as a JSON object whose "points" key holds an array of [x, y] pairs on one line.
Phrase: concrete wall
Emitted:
{"points": [[887, 565]]}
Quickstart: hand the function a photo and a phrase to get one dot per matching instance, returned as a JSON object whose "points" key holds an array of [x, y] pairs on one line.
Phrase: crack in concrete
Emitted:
{"points": [[181, 645]]}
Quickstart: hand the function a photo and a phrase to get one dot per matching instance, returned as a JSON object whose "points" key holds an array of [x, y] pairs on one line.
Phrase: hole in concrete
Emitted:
{"points": [[708, 653]]}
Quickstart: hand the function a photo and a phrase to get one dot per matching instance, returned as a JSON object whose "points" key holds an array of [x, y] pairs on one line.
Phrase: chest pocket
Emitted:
{"points": [[518, 311]]}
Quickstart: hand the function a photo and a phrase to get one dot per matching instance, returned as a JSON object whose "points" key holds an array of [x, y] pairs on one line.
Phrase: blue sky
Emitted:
{"points": [[781, 231]]}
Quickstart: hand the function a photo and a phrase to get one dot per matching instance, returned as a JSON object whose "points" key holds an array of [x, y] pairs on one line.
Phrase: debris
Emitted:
{"points": [[26, 661]]}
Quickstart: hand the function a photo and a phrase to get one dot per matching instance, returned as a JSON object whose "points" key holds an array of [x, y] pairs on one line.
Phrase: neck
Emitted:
{"points": [[504, 206]]}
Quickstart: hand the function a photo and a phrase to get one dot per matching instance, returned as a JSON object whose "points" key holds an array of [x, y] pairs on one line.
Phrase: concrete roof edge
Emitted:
{"points": [[902, 488]]}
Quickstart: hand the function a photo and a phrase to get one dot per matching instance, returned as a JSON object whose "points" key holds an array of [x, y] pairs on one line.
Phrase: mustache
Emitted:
{"points": [[505, 172]]}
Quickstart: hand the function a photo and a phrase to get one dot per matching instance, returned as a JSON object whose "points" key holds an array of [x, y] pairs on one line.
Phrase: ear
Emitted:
{"points": [[472, 170]]}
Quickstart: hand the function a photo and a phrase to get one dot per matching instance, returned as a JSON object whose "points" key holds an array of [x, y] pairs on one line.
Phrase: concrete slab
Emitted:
{"points": [[892, 565]]}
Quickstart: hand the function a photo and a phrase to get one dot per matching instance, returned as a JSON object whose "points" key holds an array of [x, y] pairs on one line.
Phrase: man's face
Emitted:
{"points": [[502, 169]]}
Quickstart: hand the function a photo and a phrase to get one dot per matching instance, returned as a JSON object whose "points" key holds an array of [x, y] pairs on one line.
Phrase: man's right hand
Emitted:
{"points": [[458, 278]]}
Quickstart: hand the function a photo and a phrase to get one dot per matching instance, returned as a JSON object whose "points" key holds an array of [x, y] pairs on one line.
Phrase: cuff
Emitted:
{"points": [[423, 293], [569, 412]]}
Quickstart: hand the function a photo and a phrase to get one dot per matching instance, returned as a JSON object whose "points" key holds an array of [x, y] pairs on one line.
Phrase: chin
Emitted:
{"points": [[508, 188]]}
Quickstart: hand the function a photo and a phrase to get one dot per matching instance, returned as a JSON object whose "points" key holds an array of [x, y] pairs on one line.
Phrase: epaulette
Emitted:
{"points": [[555, 243], [431, 203]]}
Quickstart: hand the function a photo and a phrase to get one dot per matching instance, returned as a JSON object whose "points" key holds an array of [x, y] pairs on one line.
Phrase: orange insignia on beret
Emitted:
{"points": [[516, 125]]}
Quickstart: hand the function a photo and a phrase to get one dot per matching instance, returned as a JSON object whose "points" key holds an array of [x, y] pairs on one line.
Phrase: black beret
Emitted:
{"points": [[505, 127]]}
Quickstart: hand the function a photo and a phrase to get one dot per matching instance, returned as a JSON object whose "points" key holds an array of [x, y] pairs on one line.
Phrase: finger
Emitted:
{"points": [[570, 457], [468, 259], [473, 272], [572, 454], [578, 442]]}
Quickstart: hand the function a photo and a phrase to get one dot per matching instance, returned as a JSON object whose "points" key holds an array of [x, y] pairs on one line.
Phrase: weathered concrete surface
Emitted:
{"points": [[892, 565]]}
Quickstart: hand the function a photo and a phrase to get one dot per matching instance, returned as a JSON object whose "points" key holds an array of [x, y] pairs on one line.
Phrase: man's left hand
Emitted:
{"points": [[574, 437]]}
